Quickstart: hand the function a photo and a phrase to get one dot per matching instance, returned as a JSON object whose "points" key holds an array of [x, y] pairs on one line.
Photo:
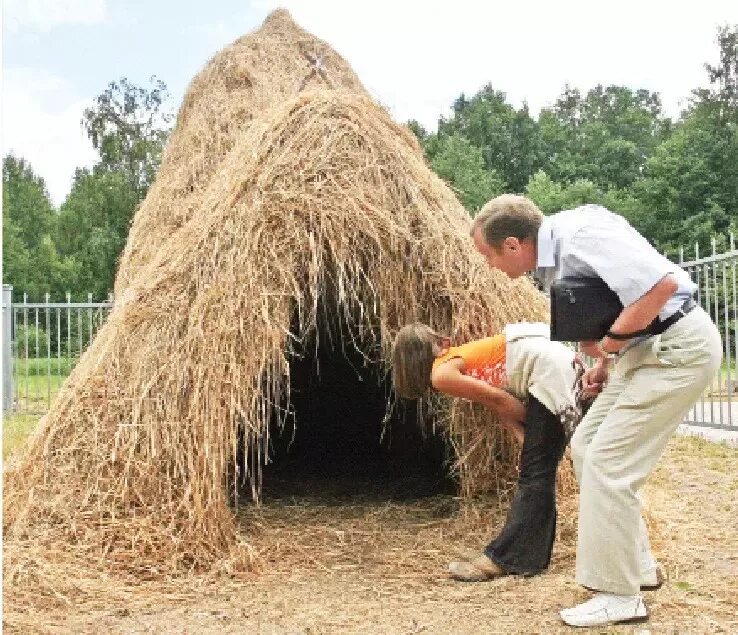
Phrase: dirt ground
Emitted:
{"points": [[369, 565]]}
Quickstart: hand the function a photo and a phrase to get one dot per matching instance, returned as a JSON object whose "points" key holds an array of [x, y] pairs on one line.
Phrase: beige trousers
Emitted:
{"points": [[616, 446]]}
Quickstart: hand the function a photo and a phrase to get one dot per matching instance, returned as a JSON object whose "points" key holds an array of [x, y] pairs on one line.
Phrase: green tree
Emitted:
{"points": [[129, 125], [690, 183], [545, 192], [17, 269], [509, 139], [31, 262], [552, 197], [460, 163], [26, 202], [605, 136], [723, 90], [93, 226], [417, 129]]}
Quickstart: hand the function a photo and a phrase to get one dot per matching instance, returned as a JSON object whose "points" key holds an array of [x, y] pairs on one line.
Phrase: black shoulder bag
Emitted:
{"points": [[582, 309]]}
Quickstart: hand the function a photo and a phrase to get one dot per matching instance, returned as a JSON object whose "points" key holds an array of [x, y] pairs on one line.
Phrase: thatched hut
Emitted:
{"points": [[293, 229]]}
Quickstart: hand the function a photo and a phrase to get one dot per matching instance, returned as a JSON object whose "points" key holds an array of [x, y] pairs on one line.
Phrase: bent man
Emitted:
{"points": [[646, 383]]}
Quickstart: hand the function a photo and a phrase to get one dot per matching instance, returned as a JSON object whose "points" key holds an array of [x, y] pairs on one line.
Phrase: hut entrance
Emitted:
{"points": [[336, 442]]}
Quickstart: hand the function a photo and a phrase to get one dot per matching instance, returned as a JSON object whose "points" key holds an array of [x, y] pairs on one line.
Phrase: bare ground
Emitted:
{"points": [[373, 566]]}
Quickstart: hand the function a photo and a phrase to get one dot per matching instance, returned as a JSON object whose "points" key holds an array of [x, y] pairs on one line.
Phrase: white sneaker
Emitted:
{"points": [[652, 580], [605, 608]]}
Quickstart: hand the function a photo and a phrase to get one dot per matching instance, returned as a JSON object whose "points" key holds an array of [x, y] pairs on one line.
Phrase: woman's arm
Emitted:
{"points": [[448, 379]]}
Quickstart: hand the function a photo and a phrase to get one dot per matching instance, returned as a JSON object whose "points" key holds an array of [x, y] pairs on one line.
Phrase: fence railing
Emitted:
{"points": [[717, 293], [42, 342]]}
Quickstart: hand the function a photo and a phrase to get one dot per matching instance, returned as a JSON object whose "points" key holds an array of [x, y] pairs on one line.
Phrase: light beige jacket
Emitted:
{"points": [[539, 367]]}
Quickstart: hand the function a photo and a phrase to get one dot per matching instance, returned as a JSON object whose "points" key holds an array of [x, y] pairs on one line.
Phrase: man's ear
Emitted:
{"points": [[511, 243]]}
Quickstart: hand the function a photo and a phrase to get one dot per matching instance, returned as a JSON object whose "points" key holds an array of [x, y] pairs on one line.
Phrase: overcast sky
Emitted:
{"points": [[415, 56]]}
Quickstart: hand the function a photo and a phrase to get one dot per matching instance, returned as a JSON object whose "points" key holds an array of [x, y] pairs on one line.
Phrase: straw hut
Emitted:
{"points": [[292, 230]]}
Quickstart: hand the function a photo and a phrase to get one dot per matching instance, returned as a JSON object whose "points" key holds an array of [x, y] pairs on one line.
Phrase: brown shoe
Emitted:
{"points": [[655, 582], [477, 570]]}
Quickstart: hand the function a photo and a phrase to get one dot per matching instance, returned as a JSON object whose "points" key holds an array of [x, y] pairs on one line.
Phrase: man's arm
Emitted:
{"points": [[635, 317], [632, 318], [643, 311]]}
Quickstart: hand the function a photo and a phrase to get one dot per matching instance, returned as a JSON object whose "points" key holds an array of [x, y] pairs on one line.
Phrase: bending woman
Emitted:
{"points": [[528, 382]]}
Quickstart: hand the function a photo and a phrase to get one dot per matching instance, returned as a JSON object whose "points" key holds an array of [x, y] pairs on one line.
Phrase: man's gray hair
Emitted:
{"points": [[505, 216]]}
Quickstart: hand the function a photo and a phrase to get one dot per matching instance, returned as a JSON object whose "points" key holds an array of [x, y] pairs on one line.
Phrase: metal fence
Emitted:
{"points": [[42, 342], [717, 293]]}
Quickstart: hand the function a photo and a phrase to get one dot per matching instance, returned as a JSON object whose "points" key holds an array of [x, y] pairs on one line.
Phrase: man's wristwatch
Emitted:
{"points": [[608, 354]]}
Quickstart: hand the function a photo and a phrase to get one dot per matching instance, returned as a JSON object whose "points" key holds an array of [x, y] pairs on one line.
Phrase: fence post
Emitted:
{"points": [[47, 311], [7, 347]]}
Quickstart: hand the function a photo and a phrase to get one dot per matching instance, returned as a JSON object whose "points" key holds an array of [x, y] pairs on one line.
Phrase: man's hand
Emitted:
{"points": [[593, 380], [591, 349]]}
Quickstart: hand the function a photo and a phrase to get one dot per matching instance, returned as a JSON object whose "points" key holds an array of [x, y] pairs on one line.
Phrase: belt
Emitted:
{"points": [[658, 326]]}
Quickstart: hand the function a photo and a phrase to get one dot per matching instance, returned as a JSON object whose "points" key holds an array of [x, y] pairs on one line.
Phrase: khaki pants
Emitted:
{"points": [[616, 446]]}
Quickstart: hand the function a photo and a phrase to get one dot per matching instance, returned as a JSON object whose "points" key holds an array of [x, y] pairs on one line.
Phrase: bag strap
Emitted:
{"points": [[658, 325], [621, 337]]}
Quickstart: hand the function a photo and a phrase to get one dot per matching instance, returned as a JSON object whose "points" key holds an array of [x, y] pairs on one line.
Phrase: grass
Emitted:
{"points": [[707, 449], [44, 366], [34, 393], [16, 429], [727, 370]]}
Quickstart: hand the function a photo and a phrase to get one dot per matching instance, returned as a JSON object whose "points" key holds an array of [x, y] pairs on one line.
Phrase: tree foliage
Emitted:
{"points": [[677, 181], [460, 163], [128, 126], [31, 262]]}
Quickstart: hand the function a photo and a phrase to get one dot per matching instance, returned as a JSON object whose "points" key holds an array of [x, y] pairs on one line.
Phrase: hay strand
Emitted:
{"points": [[276, 192]]}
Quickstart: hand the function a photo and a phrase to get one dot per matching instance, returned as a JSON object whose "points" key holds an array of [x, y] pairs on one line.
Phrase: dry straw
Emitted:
{"points": [[282, 180]]}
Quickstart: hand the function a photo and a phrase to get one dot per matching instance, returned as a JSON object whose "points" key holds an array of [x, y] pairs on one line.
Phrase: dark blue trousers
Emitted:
{"points": [[525, 542]]}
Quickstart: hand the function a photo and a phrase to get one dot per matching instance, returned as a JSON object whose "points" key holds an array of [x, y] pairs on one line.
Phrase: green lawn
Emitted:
{"points": [[44, 366], [16, 429], [33, 393], [32, 396]]}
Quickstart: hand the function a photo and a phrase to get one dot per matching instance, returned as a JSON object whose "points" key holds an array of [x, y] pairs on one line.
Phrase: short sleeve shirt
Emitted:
{"points": [[484, 359], [591, 241]]}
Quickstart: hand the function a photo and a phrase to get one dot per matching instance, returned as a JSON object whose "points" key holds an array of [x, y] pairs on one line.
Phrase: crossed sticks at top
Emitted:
{"points": [[317, 68]]}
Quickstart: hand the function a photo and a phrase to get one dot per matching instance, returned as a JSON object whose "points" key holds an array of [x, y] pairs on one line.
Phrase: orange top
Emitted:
{"points": [[483, 359]]}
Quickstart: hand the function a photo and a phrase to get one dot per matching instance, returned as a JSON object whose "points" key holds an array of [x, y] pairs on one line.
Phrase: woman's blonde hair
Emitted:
{"points": [[412, 360]]}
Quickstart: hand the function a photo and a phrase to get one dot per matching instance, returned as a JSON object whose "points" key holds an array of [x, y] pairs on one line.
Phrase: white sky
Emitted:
{"points": [[415, 57]]}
